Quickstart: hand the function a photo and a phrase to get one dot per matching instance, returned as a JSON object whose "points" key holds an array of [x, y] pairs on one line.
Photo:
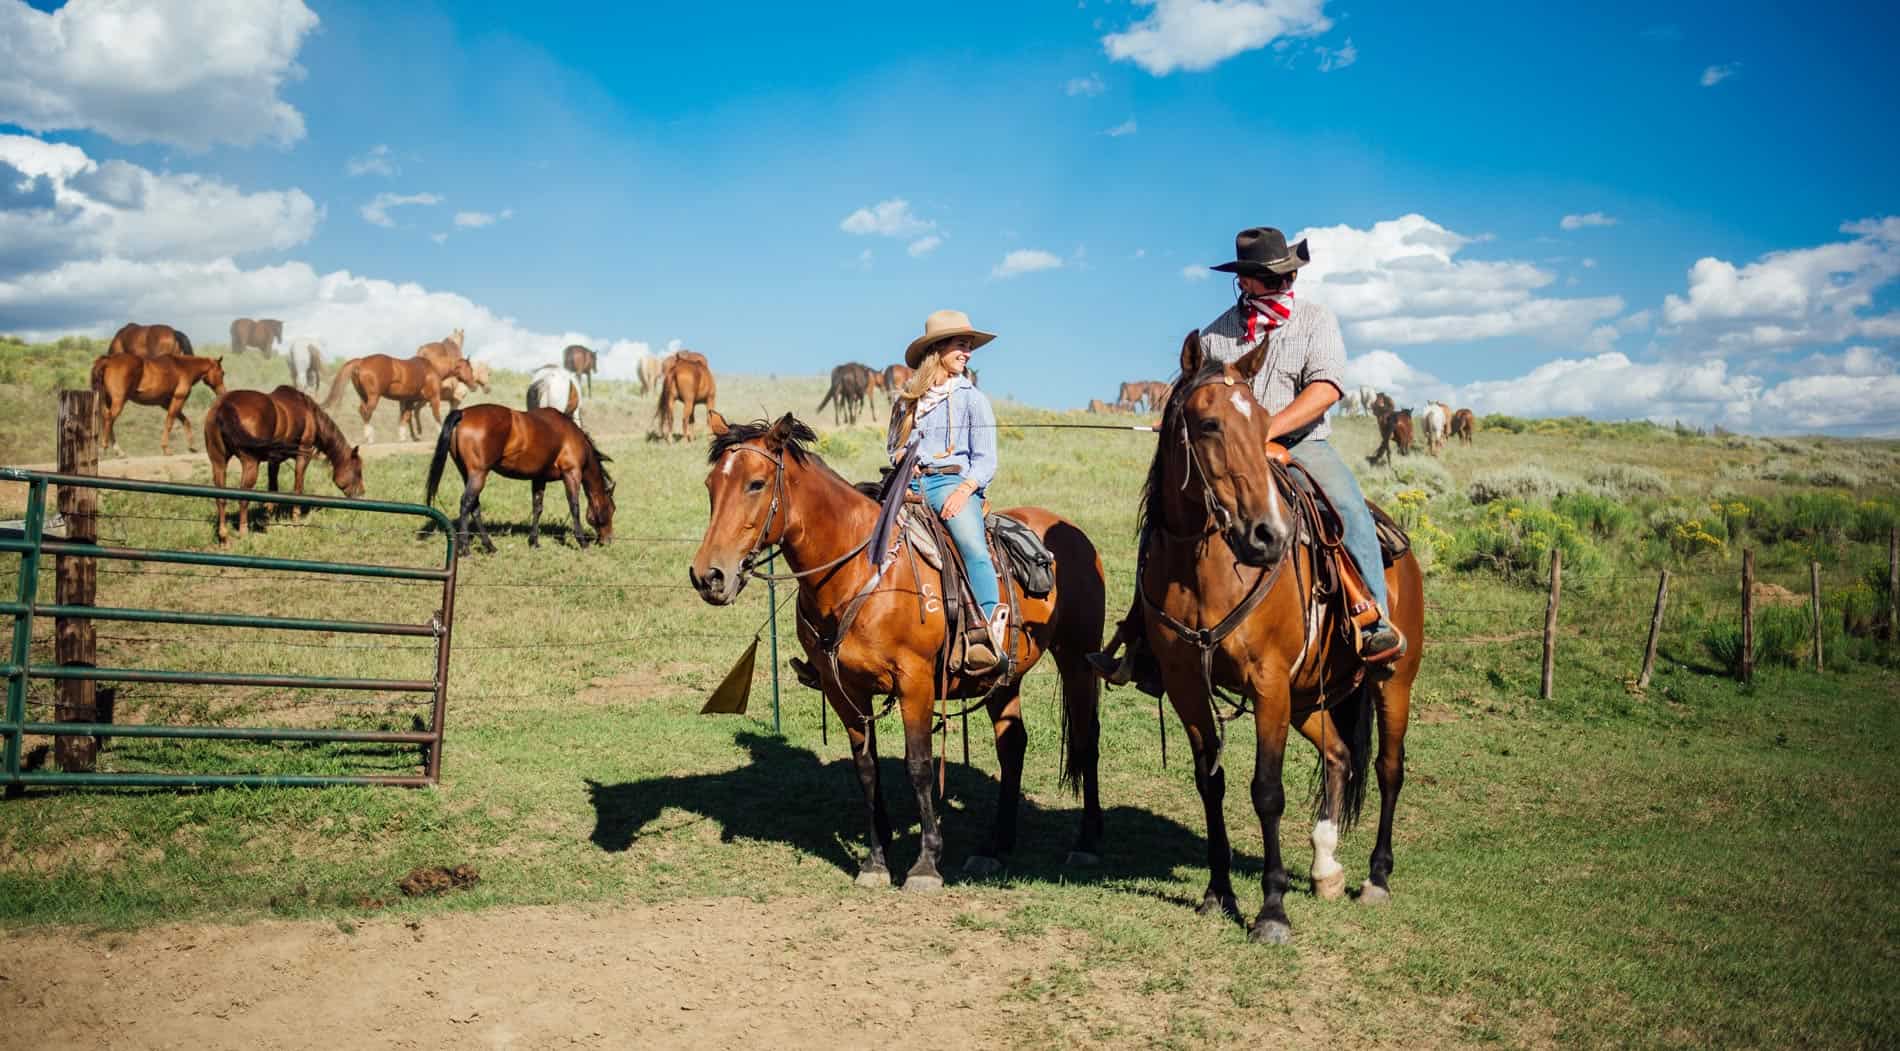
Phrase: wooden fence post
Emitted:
{"points": [[1655, 631], [1814, 604], [1550, 622], [76, 577], [1748, 614]]}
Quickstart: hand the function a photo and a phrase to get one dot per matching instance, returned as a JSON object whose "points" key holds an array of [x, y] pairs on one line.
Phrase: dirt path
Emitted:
{"points": [[872, 970]]}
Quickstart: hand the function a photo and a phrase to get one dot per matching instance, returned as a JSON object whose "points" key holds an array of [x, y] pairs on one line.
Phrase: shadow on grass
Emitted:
{"points": [[787, 794]]}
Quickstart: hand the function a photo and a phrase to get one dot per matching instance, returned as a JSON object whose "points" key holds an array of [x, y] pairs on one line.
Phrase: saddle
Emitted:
{"points": [[1024, 566], [1337, 572]]}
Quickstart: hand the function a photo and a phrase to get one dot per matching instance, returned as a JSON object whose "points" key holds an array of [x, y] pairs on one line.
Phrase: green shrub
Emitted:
{"points": [[1874, 519], [1498, 421], [1689, 533], [1784, 637], [1806, 516], [1515, 541], [1599, 515], [1627, 478], [1523, 482], [1413, 473]]}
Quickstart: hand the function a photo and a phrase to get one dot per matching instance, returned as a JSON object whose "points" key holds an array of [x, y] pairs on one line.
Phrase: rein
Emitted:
{"points": [[762, 547]]}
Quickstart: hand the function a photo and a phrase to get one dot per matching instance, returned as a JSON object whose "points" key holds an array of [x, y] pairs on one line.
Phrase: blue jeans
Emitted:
{"points": [[1361, 537], [967, 530]]}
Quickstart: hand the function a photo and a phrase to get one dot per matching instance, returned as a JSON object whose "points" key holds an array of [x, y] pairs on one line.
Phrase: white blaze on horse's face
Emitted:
{"points": [[726, 468], [1243, 405]]}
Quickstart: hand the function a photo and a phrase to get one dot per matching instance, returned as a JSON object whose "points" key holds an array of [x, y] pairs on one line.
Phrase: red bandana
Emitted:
{"points": [[1274, 307]]}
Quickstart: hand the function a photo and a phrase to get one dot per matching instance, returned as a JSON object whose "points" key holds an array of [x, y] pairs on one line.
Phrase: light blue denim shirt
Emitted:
{"points": [[960, 430]]}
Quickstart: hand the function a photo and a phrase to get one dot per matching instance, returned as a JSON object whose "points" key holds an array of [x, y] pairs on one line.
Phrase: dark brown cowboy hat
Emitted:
{"points": [[1262, 250]]}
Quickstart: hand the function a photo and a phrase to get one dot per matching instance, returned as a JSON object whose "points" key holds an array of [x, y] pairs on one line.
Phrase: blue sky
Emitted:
{"points": [[652, 174]]}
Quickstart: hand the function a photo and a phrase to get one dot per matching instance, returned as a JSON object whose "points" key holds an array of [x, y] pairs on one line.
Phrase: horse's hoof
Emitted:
{"points": [[982, 865], [1082, 857], [1373, 894], [1271, 932], [874, 879], [1330, 888], [1215, 905], [921, 884]]}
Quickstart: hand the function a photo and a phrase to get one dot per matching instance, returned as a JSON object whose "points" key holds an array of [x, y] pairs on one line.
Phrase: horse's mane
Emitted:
{"points": [[740, 433], [329, 435], [600, 459], [1153, 491]]}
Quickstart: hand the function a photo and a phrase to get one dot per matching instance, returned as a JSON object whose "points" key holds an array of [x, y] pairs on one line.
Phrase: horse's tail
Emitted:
{"points": [[442, 443], [1082, 602], [99, 373], [1354, 719], [184, 343], [336, 385]]}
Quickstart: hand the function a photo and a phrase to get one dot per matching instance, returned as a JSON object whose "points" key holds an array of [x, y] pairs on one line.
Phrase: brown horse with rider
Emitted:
{"points": [[285, 424]]}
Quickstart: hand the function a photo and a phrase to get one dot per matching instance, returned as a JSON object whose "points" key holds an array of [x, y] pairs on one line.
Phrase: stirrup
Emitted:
{"points": [[1115, 671], [1386, 655]]}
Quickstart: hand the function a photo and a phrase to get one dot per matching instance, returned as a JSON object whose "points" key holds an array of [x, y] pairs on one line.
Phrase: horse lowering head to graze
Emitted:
{"points": [[271, 428], [165, 380], [149, 341], [770, 492], [1231, 616], [584, 363], [1463, 425], [541, 446], [1395, 428], [454, 388], [688, 379], [263, 334], [850, 386]]}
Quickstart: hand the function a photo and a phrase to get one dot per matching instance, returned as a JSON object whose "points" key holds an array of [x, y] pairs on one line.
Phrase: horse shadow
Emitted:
{"points": [[789, 795]]}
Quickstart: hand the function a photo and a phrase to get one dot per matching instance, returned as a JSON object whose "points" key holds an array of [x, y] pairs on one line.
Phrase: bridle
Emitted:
{"points": [[764, 549]]}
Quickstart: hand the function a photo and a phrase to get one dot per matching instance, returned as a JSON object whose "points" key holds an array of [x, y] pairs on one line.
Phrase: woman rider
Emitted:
{"points": [[949, 422]]}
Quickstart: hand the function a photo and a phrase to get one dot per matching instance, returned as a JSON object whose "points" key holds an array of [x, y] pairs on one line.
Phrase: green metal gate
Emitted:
{"points": [[19, 669]]}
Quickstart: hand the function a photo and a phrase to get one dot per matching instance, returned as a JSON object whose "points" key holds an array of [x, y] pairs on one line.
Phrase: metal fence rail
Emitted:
{"points": [[31, 544]]}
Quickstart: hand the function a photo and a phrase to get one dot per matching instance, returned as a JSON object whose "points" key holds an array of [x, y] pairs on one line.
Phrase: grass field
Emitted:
{"points": [[1699, 864]]}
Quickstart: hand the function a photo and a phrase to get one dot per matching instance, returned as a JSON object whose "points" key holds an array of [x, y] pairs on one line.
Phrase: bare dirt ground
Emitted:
{"points": [[875, 970]]}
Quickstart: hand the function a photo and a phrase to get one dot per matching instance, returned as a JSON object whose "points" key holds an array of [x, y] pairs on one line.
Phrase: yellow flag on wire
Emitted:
{"points": [[736, 688]]}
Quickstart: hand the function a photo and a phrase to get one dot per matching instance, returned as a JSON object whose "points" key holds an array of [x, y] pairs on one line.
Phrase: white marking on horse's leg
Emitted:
{"points": [[1325, 842], [1240, 405]]}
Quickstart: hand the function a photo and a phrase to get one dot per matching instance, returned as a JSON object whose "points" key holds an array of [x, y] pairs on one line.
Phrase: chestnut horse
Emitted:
{"points": [[264, 333], [895, 376], [164, 380], [540, 447], [769, 490], [583, 363], [1223, 612], [443, 353], [688, 379], [408, 381], [1463, 423], [454, 390], [1395, 428], [149, 341], [271, 428]]}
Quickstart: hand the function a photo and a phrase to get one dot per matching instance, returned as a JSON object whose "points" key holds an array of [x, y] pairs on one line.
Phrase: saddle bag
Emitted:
{"points": [[1029, 561]]}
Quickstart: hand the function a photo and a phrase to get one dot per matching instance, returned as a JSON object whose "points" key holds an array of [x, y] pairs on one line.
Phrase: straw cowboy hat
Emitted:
{"points": [[1262, 250], [941, 326]]}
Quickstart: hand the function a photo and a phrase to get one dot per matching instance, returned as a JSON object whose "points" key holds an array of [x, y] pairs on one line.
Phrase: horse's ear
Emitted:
{"points": [[781, 433], [1251, 361], [1191, 353], [717, 424]]}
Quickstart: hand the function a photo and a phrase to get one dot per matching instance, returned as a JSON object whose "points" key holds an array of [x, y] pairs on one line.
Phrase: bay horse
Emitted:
{"points": [[1381, 405], [582, 362], [870, 636], [1395, 429], [539, 447], [263, 334], [164, 380], [688, 379], [553, 387], [1463, 424], [149, 341], [408, 381], [1222, 612], [850, 387], [271, 428]]}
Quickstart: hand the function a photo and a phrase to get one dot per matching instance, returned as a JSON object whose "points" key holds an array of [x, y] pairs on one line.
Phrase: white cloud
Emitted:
{"points": [[892, 218], [1790, 298], [1588, 263], [183, 72], [477, 220], [1196, 272], [1716, 74], [1086, 87], [376, 162], [66, 206], [1331, 59], [1400, 282], [439, 238], [924, 245], [1578, 222], [377, 210], [1126, 127], [1195, 35], [1024, 261]]}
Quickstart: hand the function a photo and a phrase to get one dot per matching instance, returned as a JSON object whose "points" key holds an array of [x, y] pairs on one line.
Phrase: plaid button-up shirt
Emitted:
{"points": [[1306, 349]]}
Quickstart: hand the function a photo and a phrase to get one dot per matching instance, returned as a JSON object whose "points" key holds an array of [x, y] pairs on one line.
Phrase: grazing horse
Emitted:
{"points": [[408, 381], [272, 428], [553, 387], [689, 381], [850, 386], [1395, 428], [873, 636], [1435, 421], [584, 363], [164, 380], [541, 447], [306, 362], [454, 390], [264, 333], [1463, 425], [149, 341], [1224, 528], [895, 376]]}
